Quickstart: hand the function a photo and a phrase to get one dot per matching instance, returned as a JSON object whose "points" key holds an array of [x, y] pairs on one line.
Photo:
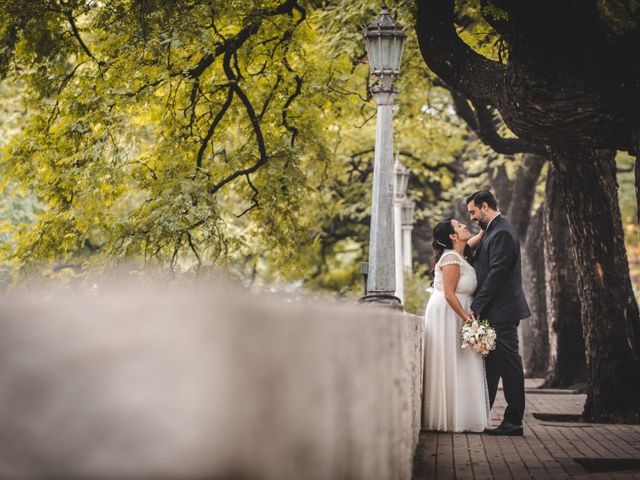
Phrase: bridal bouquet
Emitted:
{"points": [[478, 336]]}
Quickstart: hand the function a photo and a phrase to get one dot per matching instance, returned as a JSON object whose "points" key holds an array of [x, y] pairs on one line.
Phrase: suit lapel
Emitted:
{"points": [[479, 247], [496, 220], [486, 233]]}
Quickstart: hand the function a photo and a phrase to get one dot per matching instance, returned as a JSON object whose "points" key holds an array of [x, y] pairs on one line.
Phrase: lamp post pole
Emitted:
{"points": [[401, 175], [385, 41], [408, 210]]}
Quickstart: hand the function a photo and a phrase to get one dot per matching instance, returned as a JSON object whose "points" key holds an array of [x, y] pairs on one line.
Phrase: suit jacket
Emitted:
{"points": [[499, 296]]}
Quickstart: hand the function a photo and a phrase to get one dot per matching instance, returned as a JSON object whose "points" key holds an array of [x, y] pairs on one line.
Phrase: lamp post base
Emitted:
{"points": [[384, 300]]}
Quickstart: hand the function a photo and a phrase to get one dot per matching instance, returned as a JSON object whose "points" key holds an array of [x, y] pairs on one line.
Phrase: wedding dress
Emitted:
{"points": [[455, 395]]}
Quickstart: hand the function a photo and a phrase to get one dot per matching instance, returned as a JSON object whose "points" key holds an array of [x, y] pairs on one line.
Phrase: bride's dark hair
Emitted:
{"points": [[442, 240]]}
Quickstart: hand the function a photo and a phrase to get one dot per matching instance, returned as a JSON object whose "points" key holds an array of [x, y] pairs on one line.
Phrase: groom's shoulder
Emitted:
{"points": [[504, 225]]}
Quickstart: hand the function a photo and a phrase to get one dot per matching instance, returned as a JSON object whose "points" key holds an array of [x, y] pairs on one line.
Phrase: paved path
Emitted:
{"points": [[548, 450]]}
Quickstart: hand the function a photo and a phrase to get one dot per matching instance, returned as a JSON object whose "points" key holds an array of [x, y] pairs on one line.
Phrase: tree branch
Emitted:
{"points": [[285, 109], [153, 173], [254, 199], [508, 146], [194, 249], [449, 166], [453, 60], [464, 110], [255, 124], [193, 103], [405, 153], [265, 106], [296, 93], [481, 121], [498, 24], [236, 42], [65, 81], [212, 128], [74, 29]]}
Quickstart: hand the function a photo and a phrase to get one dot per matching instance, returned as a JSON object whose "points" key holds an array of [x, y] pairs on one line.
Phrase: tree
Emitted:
{"points": [[207, 135], [125, 142], [566, 76], [535, 331], [611, 356], [566, 366]]}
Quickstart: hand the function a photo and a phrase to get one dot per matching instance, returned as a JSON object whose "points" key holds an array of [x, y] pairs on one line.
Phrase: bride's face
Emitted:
{"points": [[461, 230]]}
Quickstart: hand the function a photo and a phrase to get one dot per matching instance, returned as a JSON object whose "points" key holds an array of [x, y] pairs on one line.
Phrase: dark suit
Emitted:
{"points": [[500, 299]]}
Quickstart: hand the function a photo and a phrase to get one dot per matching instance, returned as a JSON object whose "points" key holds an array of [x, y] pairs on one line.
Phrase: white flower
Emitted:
{"points": [[478, 336]]}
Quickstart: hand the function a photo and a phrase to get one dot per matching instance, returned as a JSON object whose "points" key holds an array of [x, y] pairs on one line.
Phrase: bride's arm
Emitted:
{"points": [[473, 241], [450, 276]]}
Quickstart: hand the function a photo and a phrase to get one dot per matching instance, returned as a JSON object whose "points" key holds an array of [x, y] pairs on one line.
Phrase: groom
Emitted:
{"points": [[500, 299]]}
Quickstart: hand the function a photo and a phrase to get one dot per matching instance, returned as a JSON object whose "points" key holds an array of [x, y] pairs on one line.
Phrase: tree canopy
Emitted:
{"points": [[198, 134], [570, 70], [226, 134]]}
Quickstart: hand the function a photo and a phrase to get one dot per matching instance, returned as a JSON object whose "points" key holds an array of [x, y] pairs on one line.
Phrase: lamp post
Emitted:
{"points": [[385, 42], [401, 176], [407, 211]]}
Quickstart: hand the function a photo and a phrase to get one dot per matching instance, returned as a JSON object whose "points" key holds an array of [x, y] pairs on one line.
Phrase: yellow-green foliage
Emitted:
{"points": [[117, 148]]}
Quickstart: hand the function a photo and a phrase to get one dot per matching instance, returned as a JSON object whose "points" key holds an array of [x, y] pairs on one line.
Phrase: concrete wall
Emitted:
{"points": [[205, 383]]}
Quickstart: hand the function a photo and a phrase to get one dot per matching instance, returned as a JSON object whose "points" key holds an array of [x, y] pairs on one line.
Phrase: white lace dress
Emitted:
{"points": [[455, 396]]}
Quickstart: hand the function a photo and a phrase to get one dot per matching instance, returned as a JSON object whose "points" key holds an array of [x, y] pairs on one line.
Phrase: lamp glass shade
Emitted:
{"points": [[401, 179], [385, 42], [408, 211]]}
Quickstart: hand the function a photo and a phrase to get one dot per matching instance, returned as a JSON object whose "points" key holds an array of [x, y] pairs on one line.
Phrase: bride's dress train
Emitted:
{"points": [[455, 395]]}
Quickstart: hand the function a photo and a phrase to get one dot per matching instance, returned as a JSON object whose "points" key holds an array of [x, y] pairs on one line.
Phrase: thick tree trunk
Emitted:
{"points": [[610, 320], [533, 331], [502, 188], [524, 190], [566, 364], [535, 341]]}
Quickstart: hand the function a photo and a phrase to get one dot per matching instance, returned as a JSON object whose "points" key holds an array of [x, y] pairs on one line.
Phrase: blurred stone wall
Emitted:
{"points": [[205, 382]]}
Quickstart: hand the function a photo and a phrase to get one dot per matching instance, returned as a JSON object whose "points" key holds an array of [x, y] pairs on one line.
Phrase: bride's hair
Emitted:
{"points": [[442, 240]]}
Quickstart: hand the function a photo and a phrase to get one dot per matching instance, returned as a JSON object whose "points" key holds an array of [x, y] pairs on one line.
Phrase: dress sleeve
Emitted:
{"points": [[450, 259]]}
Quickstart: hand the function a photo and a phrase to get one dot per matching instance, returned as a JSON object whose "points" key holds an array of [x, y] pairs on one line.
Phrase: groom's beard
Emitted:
{"points": [[483, 225]]}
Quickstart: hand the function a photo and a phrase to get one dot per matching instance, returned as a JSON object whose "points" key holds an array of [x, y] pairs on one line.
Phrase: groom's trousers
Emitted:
{"points": [[505, 362]]}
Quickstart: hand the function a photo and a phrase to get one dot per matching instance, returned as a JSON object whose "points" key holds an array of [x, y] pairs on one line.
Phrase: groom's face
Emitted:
{"points": [[478, 214]]}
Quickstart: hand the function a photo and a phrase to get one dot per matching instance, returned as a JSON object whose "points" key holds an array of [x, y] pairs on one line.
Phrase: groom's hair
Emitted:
{"points": [[482, 196]]}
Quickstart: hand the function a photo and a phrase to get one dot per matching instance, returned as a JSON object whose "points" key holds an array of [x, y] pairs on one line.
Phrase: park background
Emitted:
{"points": [[235, 138], [105, 162]]}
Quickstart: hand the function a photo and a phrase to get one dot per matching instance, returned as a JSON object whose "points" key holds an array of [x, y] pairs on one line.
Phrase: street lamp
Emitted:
{"points": [[401, 176], [408, 211], [385, 42]]}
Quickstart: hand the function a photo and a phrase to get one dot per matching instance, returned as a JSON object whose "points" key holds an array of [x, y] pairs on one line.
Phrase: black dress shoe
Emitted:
{"points": [[505, 429]]}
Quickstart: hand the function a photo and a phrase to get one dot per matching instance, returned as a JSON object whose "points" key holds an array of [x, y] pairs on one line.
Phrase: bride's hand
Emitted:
{"points": [[475, 240]]}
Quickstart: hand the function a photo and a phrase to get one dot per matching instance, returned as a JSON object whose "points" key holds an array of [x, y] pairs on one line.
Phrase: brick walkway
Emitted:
{"points": [[548, 450]]}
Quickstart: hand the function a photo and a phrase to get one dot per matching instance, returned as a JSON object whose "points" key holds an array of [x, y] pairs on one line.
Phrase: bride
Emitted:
{"points": [[455, 396]]}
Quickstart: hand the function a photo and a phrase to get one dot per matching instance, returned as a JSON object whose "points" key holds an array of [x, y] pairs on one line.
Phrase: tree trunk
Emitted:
{"points": [[587, 184], [502, 188], [566, 364], [533, 331], [535, 341], [524, 190]]}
